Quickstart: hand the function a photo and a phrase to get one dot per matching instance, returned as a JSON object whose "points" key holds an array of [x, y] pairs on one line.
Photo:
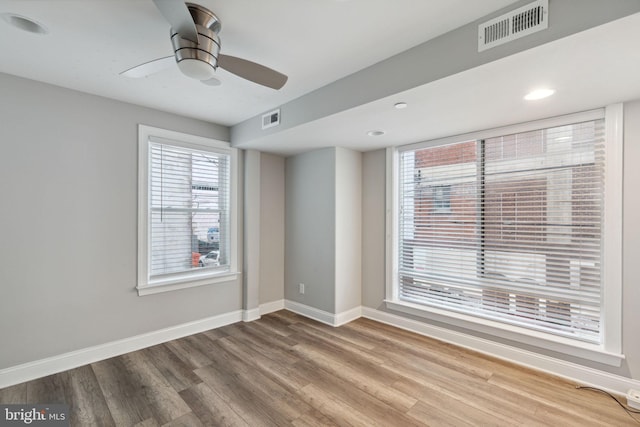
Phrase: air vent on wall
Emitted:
{"points": [[518, 23], [271, 119]]}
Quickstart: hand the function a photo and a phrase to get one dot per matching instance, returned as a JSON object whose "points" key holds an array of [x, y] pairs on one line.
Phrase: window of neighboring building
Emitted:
{"points": [[442, 199], [523, 241], [186, 221]]}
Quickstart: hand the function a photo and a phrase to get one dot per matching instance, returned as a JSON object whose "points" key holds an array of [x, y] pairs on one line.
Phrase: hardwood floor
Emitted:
{"points": [[286, 370]]}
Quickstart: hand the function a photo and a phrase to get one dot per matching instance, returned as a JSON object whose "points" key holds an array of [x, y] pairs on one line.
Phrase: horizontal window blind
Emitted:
{"points": [[507, 228], [189, 209]]}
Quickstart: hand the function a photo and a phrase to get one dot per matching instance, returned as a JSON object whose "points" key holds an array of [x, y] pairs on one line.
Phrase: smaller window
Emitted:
{"points": [[186, 222]]}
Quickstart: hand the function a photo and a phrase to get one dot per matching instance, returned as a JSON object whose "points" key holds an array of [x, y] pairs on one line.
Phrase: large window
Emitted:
{"points": [[509, 228], [186, 214]]}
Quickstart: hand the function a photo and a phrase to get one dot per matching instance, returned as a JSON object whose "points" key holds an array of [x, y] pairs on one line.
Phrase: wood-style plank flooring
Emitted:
{"points": [[286, 370]]}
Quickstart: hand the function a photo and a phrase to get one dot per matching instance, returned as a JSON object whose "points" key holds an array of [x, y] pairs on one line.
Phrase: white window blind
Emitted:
{"points": [[189, 193], [507, 228]]}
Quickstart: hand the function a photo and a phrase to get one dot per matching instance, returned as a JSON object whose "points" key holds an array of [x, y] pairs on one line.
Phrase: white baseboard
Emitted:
{"points": [[323, 316], [310, 312], [51, 365], [251, 315], [571, 371], [270, 307], [347, 316]]}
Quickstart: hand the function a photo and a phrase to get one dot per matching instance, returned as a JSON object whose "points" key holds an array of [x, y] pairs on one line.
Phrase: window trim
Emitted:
{"points": [[185, 280], [609, 352]]}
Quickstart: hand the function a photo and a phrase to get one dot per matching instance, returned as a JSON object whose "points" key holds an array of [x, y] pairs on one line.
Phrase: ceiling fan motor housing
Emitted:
{"points": [[199, 60]]}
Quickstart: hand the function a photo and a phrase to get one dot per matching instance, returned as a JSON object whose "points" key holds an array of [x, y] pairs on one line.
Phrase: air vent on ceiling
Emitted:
{"points": [[271, 119], [518, 23]]}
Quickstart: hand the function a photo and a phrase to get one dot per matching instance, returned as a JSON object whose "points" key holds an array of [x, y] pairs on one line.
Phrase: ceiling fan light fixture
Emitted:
{"points": [[196, 69], [198, 60], [196, 48]]}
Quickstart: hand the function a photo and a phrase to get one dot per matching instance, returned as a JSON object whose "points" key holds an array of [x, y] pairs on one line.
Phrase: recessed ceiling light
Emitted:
{"points": [[25, 24], [400, 105], [539, 94], [375, 133]]}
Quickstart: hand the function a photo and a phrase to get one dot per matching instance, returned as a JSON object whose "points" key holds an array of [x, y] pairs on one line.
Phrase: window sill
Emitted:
{"points": [[174, 284], [592, 352]]}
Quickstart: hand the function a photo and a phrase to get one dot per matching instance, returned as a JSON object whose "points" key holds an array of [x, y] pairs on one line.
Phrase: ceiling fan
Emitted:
{"points": [[196, 46]]}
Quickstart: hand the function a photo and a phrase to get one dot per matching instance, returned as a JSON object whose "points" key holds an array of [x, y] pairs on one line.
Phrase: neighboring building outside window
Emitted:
{"points": [[442, 199]]}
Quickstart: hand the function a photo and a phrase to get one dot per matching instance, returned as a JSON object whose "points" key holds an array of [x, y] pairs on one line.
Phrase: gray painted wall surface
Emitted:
{"points": [[631, 240], [252, 217], [373, 227], [373, 284], [68, 224], [271, 228], [323, 229], [310, 228], [348, 240]]}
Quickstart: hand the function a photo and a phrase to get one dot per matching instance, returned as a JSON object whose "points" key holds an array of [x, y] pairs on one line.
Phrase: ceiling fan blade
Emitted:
{"points": [[178, 15], [148, 68], [251, 71]]}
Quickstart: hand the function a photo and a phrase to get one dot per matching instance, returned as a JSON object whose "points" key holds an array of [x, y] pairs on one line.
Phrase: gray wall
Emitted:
{"points": [[373, 227], [631, 240], [373, 284], [348, 239], [271, 228], [310, 228], [323, 226], [252, 216], [68, 224]]}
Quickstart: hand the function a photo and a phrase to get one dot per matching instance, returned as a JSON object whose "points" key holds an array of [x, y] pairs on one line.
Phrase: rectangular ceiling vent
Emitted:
{"points": [[271, 119], [518, 23]]}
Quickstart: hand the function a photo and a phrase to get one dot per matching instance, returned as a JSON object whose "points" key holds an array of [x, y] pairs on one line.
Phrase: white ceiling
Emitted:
{"points": [[314, 42]]}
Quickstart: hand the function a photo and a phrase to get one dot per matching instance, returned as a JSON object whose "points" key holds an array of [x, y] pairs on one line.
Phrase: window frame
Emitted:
{"points": [[609, 351], [199, 277]]}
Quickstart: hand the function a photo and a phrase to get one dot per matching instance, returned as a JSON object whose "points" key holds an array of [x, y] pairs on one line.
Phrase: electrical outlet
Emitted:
{"points": [[633, 398], [301, 288]]}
